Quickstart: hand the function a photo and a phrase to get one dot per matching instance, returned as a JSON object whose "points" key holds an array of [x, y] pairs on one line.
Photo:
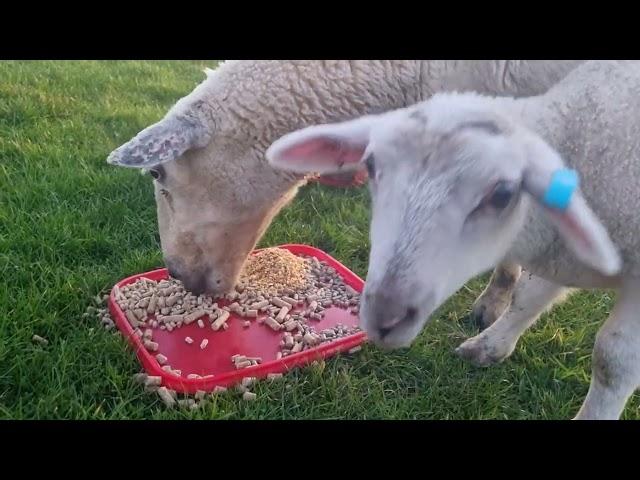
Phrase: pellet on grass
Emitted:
{"points": [[166, 397], [249, 396], [40, 340]]}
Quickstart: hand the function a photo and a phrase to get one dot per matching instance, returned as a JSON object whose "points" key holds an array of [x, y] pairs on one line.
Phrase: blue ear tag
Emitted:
{"points": [[564, 183]]}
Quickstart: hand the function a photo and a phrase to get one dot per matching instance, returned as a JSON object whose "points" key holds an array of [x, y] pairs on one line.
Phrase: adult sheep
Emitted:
{"points": [[214, 190], [463, 181]]}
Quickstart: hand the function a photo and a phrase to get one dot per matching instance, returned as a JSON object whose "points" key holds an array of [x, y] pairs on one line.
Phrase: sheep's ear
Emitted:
{"points": [[162, 142], [324, 149], [578, 225]]}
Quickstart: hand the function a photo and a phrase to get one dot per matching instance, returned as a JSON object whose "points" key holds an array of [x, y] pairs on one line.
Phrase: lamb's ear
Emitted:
{"points": [[556, 189], [323, 149], [162, 142]]}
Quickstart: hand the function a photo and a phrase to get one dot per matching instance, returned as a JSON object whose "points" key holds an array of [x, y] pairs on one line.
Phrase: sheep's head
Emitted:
{"points": [[450, 182], [214, 192]]}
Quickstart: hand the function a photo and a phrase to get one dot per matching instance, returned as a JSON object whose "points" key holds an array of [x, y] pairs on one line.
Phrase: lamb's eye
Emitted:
{"points": [[501, 195], [155, 174], [371, 168]]}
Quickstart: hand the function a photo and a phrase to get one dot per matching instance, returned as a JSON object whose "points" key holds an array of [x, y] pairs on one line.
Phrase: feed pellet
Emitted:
{"points": [[40, 340], [187, 403], [166, 396], [248, 396], [140, 377], [152, 381], [248, 382]]}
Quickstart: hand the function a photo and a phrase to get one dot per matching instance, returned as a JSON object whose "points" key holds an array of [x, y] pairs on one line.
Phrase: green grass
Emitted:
{"points": [[71, 226]]}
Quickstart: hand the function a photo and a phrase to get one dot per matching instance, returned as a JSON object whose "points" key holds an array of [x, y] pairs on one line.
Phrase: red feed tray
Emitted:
{"points": [[256, 341]]}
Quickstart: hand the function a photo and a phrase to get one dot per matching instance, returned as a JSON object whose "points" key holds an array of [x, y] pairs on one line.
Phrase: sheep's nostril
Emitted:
{"points": [[173, 274], [411, 314]]}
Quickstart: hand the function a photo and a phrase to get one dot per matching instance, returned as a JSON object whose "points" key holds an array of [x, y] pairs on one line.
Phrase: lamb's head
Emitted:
{"points": [[450, 181], [215, 193]]}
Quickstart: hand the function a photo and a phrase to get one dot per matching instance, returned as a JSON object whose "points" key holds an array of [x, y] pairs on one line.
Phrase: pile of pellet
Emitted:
{"points": [[274, 269]]}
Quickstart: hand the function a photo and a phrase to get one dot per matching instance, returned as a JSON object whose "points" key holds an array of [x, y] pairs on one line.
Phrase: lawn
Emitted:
{"points": [[71, 226]]}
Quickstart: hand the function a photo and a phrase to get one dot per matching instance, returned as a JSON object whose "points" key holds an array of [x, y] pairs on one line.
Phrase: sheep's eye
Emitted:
{"points": [[371, 168], [155, 174], [501, 195]]}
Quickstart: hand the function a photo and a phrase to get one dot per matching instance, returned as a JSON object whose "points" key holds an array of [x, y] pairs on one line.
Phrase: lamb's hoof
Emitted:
{"points": [[488, 308], [480, 351]]}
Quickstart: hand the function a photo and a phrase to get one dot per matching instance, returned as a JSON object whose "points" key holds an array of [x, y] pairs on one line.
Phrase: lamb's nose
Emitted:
{"points": [[384, 332], [384, 313], [388, 324]]}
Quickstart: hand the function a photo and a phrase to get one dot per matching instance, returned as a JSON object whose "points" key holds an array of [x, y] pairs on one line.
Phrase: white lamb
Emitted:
{"points": [[461, 182], [215, 192]]}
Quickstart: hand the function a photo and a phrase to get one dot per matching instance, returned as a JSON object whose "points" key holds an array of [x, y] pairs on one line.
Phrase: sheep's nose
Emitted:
{"points": [[196, 284], [194, 281], [172, 268]]}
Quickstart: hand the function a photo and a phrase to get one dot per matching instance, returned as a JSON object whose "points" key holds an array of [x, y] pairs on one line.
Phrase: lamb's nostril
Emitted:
{"points": [[384, 332], [388, 324], [173, 274]]}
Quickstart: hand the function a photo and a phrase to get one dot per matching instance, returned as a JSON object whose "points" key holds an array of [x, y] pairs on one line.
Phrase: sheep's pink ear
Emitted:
{"points": [[323, 149], [578, 226], [162, 142]]}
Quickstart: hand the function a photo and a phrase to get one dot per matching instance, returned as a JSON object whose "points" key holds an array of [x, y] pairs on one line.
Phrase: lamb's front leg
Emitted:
{"points": [[496, 298], [616, 359], [532, 296]]}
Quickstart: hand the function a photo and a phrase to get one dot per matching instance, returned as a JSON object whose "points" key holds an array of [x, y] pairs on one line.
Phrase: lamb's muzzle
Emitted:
{"points": [[390, 319]]}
